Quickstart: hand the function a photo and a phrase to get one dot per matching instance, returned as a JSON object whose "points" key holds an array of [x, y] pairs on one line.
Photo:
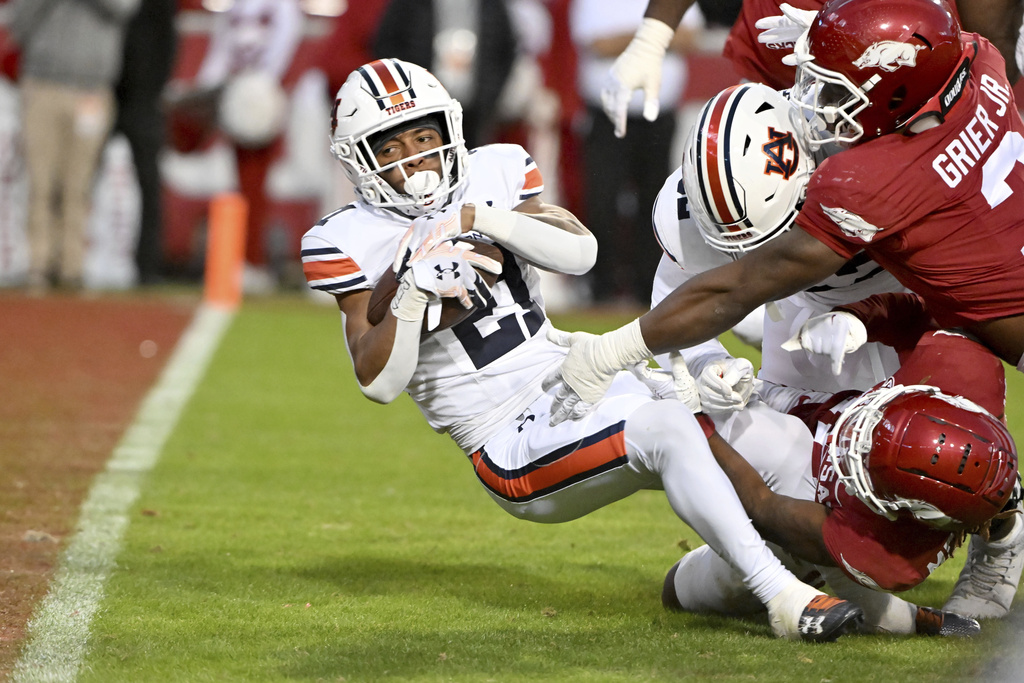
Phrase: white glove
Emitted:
{"points": [[425, 233], [446, 272], [784, 29], [725, 385], [678, 385], [830, 334], [590, 366], [1019, 52], [638, 67]]}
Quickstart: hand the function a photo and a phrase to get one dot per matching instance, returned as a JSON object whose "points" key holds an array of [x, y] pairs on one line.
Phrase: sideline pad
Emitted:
{"points": [[59, 630]]}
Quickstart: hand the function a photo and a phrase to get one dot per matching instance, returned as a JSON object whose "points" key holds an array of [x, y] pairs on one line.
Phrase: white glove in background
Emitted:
{"points": [[830, 334], [1019, 53], [637, 68]]}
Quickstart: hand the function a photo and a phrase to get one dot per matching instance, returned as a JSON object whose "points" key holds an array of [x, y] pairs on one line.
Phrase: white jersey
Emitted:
{"points": [[686, 254], [479, 375]]}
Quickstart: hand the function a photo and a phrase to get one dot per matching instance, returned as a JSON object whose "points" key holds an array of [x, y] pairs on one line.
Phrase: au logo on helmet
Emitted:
{"points": [[888, 55], [779, 145]]}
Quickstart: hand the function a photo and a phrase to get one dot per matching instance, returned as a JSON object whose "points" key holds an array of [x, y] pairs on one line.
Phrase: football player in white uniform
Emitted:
{"points": [[398, 135]]}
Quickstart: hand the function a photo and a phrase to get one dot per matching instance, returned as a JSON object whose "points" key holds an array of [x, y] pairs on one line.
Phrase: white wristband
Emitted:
{"points": [[409, 301], [540, 243], [657, 33]]}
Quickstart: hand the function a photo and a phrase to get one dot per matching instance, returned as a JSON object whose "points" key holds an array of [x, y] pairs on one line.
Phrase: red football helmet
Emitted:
{"points": [[864, 67], [944, 459]]}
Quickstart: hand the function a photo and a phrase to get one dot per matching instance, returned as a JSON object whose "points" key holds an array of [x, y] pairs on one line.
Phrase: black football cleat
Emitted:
{"points": [[933, 622]]}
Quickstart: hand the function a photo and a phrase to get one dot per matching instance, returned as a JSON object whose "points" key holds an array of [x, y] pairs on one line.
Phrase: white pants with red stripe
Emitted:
{"points": [[628, 442]]}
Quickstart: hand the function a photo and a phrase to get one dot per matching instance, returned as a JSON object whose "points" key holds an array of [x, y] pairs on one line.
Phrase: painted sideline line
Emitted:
{"points": [[59, 630]]}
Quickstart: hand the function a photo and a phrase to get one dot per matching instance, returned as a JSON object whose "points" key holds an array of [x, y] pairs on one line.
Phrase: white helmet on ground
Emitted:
{"points": [[388, 96], [745, 168]]}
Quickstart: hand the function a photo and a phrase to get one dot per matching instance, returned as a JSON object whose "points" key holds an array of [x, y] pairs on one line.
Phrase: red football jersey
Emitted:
{"points": [[872, 550], [757, 62], [943, 210]]}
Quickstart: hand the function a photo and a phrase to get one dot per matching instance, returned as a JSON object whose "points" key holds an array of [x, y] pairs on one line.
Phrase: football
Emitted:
{"points": [[452, 311]]}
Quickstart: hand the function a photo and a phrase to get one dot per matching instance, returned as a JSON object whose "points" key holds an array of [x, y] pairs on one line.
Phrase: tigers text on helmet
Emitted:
{"points": [[745, 170], [944, 459], [390, 95], [865, 67]]}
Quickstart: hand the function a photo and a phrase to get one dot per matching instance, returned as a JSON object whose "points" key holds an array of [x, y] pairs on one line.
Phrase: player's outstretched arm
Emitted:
{"points": [[714, 301], [793, 524]]}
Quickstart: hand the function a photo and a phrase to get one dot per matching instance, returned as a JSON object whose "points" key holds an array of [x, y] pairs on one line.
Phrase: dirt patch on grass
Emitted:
{"points": [[73, 372]]}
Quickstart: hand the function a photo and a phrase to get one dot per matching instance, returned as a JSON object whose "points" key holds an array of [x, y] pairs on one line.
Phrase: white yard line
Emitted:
{"points": [[59, 630]]}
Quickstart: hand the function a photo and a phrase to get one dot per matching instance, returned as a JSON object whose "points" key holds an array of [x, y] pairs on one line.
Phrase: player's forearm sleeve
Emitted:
{"points": [[538, 242], [408, 307]]}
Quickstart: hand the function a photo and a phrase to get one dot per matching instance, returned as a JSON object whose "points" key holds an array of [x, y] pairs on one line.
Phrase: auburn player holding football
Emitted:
{"points": [[398, 135]]}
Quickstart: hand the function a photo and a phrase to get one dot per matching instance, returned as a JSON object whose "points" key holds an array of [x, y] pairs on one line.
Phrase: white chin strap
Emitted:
{"points": [[422, 184]]}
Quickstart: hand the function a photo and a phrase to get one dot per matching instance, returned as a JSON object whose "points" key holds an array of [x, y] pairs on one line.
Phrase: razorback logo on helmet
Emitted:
{"points": [[783, 153], [888, 55], [389, 84]]}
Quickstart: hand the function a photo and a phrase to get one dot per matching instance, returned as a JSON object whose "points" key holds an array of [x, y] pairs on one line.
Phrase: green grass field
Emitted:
{"points": [[294, 531]]}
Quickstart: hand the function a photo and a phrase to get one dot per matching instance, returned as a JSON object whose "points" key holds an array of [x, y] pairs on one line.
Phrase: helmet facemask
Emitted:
{"points": [[829, 101]]}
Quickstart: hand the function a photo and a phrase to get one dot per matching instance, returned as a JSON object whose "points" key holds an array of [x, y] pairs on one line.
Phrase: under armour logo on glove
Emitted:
{"points": [[445, 273], [451, 272]]}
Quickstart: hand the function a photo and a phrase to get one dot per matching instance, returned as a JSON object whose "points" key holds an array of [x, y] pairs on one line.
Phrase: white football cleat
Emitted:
{"points": [[990, 575]]}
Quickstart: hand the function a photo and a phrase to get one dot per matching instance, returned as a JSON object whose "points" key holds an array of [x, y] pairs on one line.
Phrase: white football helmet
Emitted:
{"points": [[381, 96], [745, 168]]}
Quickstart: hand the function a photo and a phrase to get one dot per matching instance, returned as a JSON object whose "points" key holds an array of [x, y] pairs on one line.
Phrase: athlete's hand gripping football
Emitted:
{"points": [[830, 334], [425, 233], [590, 366], [637, 68], [447, 272]]}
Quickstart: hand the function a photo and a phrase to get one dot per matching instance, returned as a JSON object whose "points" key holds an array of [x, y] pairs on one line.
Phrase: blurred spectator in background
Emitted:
{"points": [[470, 45], [252, 46], [623, 175], [150, 45], [71, 57]]}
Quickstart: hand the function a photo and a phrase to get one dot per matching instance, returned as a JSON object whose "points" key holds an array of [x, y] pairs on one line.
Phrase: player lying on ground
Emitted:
{"points": [[901, 472], [745, 148], [748, 130], [398, 136]]}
